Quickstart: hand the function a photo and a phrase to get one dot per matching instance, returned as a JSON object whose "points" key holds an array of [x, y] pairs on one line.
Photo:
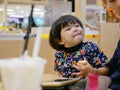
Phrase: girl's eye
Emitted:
{"points": [[68, 28], [77, 25]]}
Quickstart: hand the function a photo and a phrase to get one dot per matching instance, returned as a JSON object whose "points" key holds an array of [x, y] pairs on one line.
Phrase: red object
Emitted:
{"points": [[92, 82]]}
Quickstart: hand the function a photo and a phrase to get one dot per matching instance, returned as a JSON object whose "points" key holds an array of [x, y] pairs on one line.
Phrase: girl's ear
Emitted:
{"points": [[61, 42]]}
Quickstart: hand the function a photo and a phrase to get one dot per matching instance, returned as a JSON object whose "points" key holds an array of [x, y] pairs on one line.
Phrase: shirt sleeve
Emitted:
{"points": [[58, 62], [60, 66], [114, 64]]}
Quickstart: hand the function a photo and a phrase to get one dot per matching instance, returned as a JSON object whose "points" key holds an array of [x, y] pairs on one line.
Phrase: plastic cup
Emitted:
{"points": [[18, 74]]}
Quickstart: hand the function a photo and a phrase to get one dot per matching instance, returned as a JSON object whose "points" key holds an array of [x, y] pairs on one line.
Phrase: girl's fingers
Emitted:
{"points": [[78, 74], [78, 67]]}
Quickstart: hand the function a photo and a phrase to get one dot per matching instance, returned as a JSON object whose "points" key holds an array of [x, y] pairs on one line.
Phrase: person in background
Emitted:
{"points": [[112, 10], [66, 37]]}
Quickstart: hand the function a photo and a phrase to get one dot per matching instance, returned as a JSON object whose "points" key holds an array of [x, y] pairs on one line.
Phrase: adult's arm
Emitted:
{"points": [[114, 64]]}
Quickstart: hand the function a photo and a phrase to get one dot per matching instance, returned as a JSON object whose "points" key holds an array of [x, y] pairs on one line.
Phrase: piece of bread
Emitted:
{"points": [[82, 62]]}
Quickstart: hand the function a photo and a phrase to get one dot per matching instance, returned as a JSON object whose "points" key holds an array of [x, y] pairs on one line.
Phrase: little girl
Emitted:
{"points": [[66, 37]]}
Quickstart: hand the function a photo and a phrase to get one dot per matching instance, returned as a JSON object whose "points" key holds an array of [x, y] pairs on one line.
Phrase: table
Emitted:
{"points": [[54, 82], [51, 77]]}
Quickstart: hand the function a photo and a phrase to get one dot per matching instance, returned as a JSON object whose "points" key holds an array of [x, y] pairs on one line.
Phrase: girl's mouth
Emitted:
{"points": [[77, 34]]}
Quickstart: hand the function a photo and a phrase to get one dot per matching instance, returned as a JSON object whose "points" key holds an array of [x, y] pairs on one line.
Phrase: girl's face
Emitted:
{"points": [[71, 35]]}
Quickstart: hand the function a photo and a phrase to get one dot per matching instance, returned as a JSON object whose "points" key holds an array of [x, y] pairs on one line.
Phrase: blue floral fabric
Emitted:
{"points": [[65, 60]]}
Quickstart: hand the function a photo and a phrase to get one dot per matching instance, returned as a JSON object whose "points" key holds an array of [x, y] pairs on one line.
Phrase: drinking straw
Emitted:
{"points": [[30, 21], [37, 43]]}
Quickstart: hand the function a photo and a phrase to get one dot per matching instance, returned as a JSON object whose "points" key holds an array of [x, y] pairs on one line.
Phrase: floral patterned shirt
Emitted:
{"points": [[65, 59]]}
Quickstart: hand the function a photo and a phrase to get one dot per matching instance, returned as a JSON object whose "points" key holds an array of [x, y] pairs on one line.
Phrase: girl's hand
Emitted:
{"points": [[84, 67]]}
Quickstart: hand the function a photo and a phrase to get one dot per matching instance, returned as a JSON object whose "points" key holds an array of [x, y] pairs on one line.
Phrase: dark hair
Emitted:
{"points": [[55, 30]]}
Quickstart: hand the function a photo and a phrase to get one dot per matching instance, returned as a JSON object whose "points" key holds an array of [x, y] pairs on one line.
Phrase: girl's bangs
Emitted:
{"points": [[67, 22]]}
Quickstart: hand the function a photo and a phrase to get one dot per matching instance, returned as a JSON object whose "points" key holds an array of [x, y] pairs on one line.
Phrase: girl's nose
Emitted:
{"points": [[74, 28]]}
